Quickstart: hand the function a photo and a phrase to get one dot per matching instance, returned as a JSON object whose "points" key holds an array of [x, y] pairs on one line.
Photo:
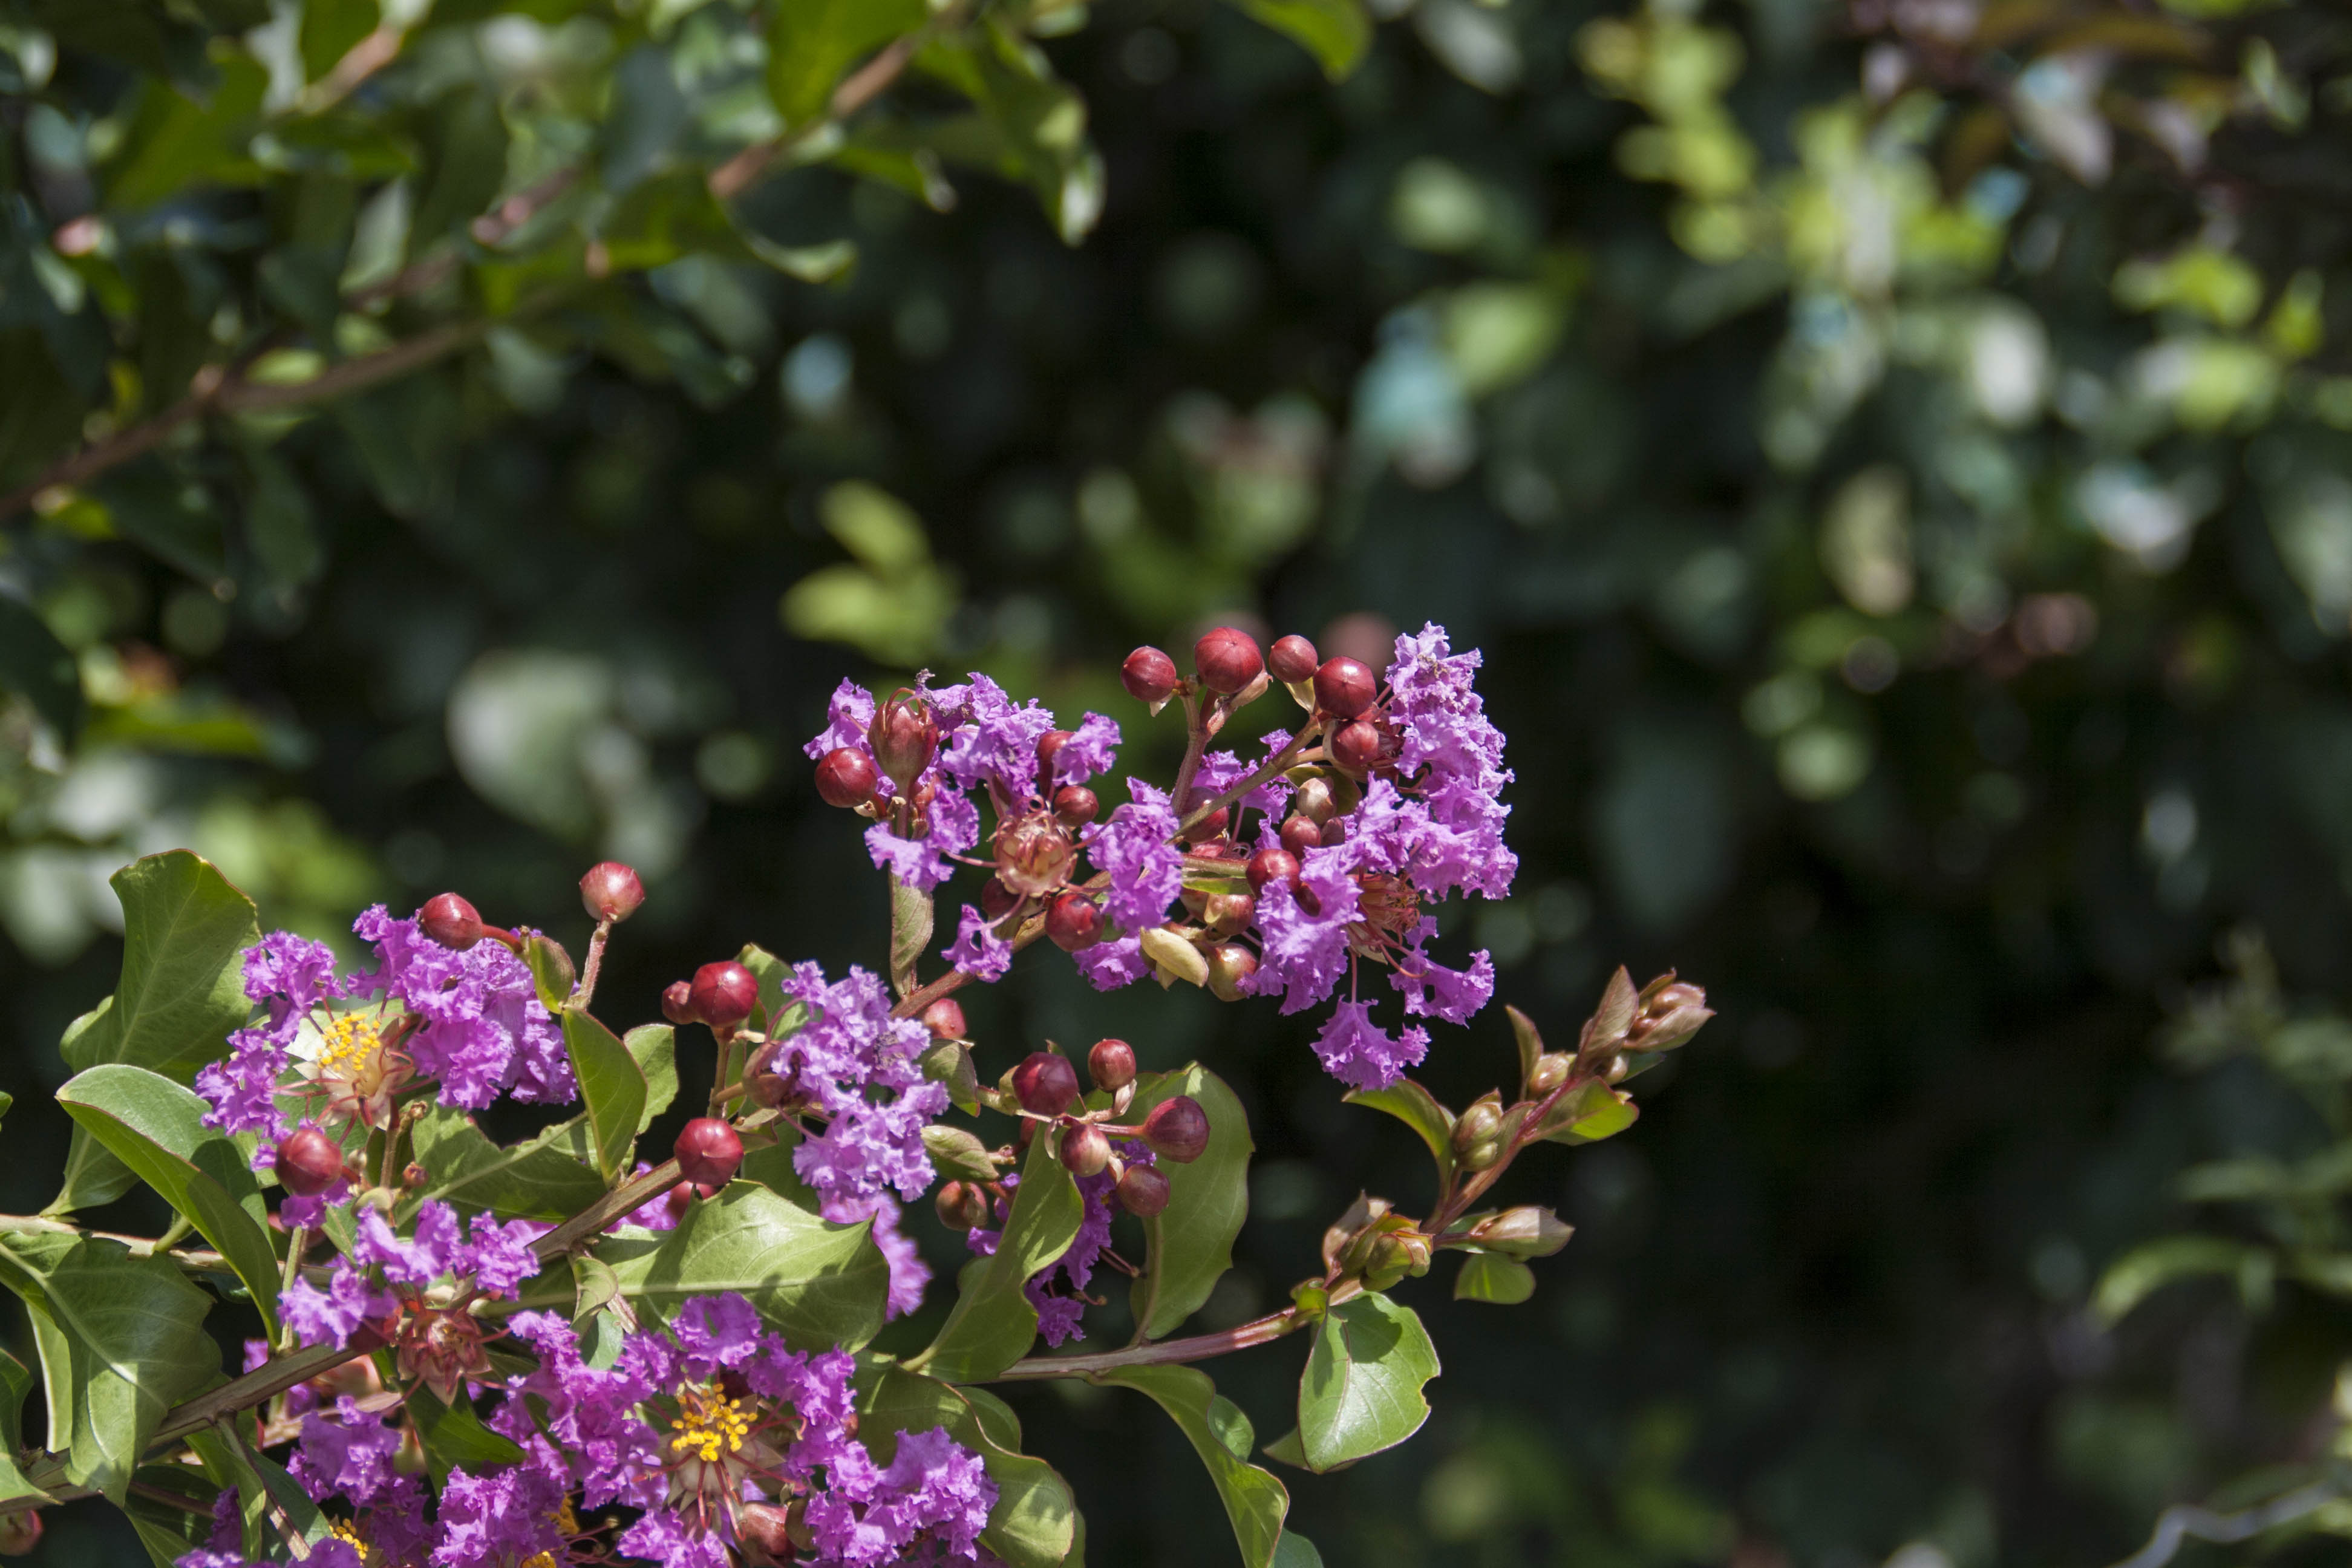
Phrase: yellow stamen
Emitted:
{"points": [[348, 1531], [346, 1046], [718, 1426]]}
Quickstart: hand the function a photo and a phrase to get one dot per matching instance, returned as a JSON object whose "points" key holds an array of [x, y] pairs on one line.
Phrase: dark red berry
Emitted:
{"points": [[962, 1205], [1299, 835], [308, 1162], [1345, 686], [1291, 659], [708, 1150], [1072, 921], [1274, 865], [1142, 1191], [610, 891], [1177, 1130], [1046, 1084], [903, 736], [677, 1003], [1230, 965], [1085, 1149], [1355, 748], [724, 994], [944, 1019], [1111, 1064], [20, 1531], [1075, 805], [1148, 675], [845, 777], [681, 1197], [450, 920], [1227, 659]]}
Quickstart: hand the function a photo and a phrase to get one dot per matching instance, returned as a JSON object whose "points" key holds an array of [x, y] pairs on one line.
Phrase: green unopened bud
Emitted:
{"points": [[1523, 1232], [1477, 1125], [1551, 1070], [1481, 1156], [1386, 1263]]}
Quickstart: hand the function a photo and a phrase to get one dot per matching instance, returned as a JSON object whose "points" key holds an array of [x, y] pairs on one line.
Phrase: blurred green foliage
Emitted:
{"points": [[1892, 454]]}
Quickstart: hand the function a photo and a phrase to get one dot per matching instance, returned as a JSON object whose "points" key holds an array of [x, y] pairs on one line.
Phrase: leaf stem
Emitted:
{"points": [[1169, 1352]]}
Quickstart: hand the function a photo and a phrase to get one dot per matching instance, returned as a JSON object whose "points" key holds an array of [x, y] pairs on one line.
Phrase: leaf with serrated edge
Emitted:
{"points": [[1191, 1241], [1254, 1500], [818, 1284], [992, 1324], [1035, 1521], [156, 1128], [121, 1339], [1362, 1391], [612, 1086]]}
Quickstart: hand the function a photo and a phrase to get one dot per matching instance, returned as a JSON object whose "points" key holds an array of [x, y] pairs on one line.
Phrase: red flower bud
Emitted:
{"points": [[1313, 801], [1111, 1064], [1334, 832], [1142, 1191], [610, 891], [1209, 826], [708, 1150], [944, 1019], [450, 920], [308, 1162], [1274, 865], [723, 995], [1046, 1084], [677, 1003], [1049, 746], [1177, 1130], [1229, 914], [764, 1526], [1291, 659], [1230, 963], [1085, 1149], [903, 737], [1075, 805], [997, 901], [1072, 921], [1299, 835], [1227, 659], [962, 1205], [681, 1197], [845, 777], [1148, 675], [20, 1531], [1034, 855], [1355, 748], [1345, 687]]}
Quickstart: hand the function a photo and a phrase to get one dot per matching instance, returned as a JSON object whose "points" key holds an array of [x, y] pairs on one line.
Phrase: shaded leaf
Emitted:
{"points": [[1254, 1500], [548, 1177], [654, 1049], [818, 1284], [16, 1384], [36, 667], [452, 1436], [812, 44], [1034, 1524], [1419, 1110], [992, 1324], [1362, 1391], [612, 1086], [1486, 1277], [1335, 32], [1191, 1241]]}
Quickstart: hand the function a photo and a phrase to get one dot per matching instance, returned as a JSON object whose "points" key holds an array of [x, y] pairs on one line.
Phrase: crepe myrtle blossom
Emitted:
{"points": [[385, 1280], [1058, 1291]]}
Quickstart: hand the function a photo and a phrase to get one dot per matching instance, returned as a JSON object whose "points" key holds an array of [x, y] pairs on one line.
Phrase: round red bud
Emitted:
{"points": [[1230, 964], [1072, 921], [1334, 832], [846, 777], [962, 1205], [308, 1162], [1148, 675], [1177, 1130], [1291, 659], [903, 737], [944, 1019], [677, 1003], [708, 1150], [1229, 914], [1111, 1064], [1355, 748], [1299, 835], [1046, 1084], [1085, 1149], [1313, 800], [1049, 746], [1272, 865], [1227, 659], [1075, 805], [680, 1198], [997, 901], [20, 1531], [723, 993], [450, 920], [1209, 826], [765, 1527], [1142, 1191], [1346, 688], [610, 891]]}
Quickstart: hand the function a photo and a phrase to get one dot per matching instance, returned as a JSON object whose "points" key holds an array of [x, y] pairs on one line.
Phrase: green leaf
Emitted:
{"points": [[1254, 1499], [1589, 1113], [552, 973], [992, 1324], [1361, 1392], [812, 43], [1531, 1043], [452, 1436], [2146, 1270], [957, 1154], [16, 1382], [156, 1128], [612, 1086], [1294, 1551], [548, 1177], [180, 994], [1335, 32], [1419, 1110], [817, 1283], [655, 1048], [1488, 1276], [170, 1533], [36, 667], [122, 1339], [1034, 1524], [1191, 1241]]}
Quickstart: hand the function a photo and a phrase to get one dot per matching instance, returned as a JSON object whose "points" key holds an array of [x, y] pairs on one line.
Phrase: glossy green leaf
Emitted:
{"points": [[36, 667], [812, 44], [817, 1283], [16, 1385], [1419, 1110], [180, 992], [1335, 32], [553, 972], [1487, 1276], [122, 1339], [612, 1086], [1191, 1242], [1034, 1524], [548, 1177], [1362, 1388], [452, 1436], [654, 1049], [1589, 1113], [992, 1324], [156, 1128], [1254, 1500], [771, 1165]]}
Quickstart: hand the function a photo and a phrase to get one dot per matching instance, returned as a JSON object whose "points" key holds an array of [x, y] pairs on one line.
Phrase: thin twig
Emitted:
{"points": [[2175, 1525]]}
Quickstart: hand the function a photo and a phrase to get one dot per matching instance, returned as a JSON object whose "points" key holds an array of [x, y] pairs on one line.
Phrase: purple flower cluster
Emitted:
{"points": [[1058, 1291], [386, 1269], [290, 978], [482, 1029]]}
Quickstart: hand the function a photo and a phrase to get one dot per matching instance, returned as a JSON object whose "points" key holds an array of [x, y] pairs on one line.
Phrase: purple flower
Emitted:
{"points": [[1431, 990], [498, 1256], [1220, 771], [1107, 965], [332, 1316], [660, 1536], [715, 1331], [1304, 943], [506, 1516], [909, 1274], [846, 719], [289, 975], [1090, 749], [417, 1262], [934, 1484], [311, 1213], [350, 1453], [1058, 1291], [654, 1213], [243, 1088], [484, 1030], [977, 949], [1146, 870], [985, 739], [1359, 1053], [860, 1067]]}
